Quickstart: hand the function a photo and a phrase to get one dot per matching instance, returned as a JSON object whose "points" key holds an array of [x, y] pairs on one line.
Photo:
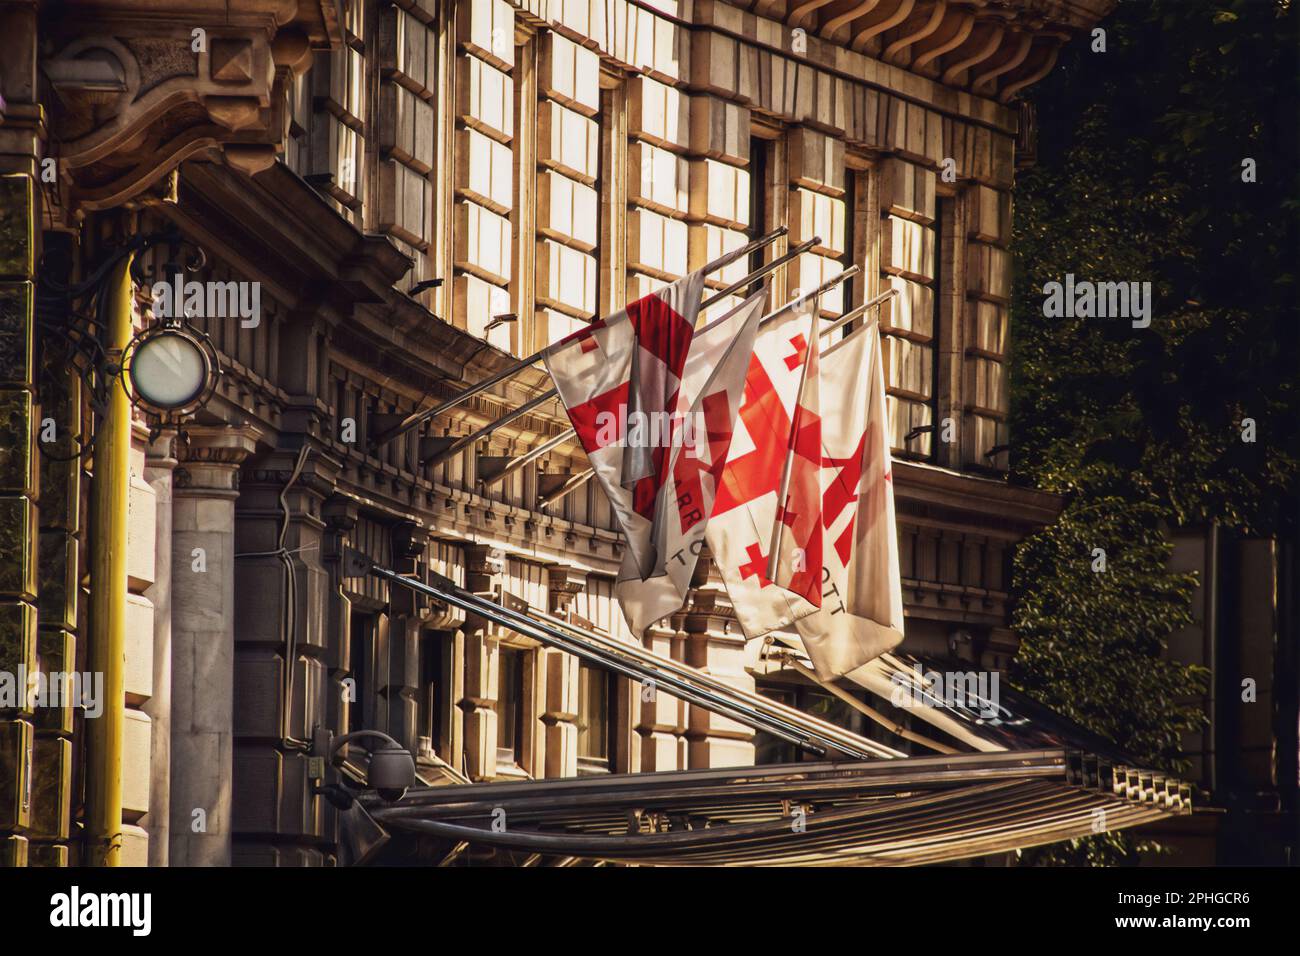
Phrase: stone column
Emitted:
{"points": [[661, 717], [560, 679], [397, 699], [281, 645], [60, 525], [204, 491], [483, 567], [716, 644], [340, 514], [159, 466]]}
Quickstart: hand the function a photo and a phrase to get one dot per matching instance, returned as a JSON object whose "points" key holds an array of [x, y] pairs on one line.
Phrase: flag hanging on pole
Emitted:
{"points": [[861, 615], [713, 379], [765, 528], [619, 380]]}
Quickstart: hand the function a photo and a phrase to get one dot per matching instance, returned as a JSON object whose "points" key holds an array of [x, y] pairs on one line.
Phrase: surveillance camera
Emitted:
{"points": [[392, 772]]}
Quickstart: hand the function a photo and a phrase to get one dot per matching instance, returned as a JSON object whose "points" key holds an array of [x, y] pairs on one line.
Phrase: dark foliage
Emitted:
{"points": [[1140, 178]]}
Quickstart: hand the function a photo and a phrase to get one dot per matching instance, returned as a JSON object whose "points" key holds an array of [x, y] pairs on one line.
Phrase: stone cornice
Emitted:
{"points": [[139, 88], [987, 505]]}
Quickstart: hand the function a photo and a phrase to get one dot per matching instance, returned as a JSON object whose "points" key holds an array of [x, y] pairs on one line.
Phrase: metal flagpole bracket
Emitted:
{"points": [[356, 564], [381, 436], [434, 447]]}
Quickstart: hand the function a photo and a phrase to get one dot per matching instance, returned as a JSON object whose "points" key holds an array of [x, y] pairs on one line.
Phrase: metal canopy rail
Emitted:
{"points": [[809, 733], [912, 811]]}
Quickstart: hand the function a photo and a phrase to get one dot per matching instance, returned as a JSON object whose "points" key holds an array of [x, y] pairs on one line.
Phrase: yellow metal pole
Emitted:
{"points": [[107, 652]]}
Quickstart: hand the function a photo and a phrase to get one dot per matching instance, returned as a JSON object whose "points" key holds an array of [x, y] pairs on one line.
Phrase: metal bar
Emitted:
{"points": [[415, 418], [829, 731], [531, 456], [892, 726], [546, 635], [568, 488], [712, 300], [461, 444], [848, 317], [761, 271]]}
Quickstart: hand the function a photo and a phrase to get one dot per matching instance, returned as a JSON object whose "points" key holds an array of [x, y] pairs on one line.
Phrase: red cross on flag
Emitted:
{"points": [[620, 396], [861, 615], [712, 382], [765, 529]]}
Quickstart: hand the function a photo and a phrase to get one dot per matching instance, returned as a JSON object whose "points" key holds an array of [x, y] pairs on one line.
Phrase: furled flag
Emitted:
{"points": [[765, 529], [861, 614], [712, 382], [619, 380]]}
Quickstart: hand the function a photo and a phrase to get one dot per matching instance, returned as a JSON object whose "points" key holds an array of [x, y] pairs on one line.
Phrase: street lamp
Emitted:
{"points": [[169, 368]]}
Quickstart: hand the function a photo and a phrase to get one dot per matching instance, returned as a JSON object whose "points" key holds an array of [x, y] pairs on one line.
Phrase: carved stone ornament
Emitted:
{"points": [[137, 94]]}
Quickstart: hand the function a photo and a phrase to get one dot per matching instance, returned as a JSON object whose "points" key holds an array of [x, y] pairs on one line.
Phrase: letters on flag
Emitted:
{"points": [[765, 528], [712, 382], [861, 613]]}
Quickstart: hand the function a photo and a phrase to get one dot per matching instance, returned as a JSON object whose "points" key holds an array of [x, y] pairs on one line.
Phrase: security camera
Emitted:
{"points": [[392, 769]]}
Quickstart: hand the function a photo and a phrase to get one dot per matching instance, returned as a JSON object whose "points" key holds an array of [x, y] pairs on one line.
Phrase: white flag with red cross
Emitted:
{"points": [[619, 380], [861, 614], [712, 382], [765, 528]]}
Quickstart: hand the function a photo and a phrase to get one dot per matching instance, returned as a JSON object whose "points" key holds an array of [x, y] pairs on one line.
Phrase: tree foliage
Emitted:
{"points": [[1140, 178]]}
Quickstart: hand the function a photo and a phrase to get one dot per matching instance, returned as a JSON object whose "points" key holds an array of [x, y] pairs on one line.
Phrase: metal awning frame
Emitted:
{"points": [[687, 683]]}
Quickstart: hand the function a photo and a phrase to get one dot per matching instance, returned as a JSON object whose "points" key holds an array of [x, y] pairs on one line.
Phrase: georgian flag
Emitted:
{"points": [[861, 614], [711, 386], [619, 380], [765, 529]]}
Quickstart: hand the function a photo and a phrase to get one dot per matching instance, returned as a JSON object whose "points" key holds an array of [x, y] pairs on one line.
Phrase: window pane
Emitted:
{"points": [[510, 703], [593, 713]]}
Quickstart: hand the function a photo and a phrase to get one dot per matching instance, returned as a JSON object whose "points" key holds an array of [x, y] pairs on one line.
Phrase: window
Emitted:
{"points": [[362, 627], [758, 186], [435, 690], [510, 705], [909, 261], [595, 711]]}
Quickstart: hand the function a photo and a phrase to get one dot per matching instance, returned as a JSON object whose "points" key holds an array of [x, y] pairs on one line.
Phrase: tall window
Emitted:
{"points": [[510, 705], [759, 150], [595, 711], [359, 650], [909, 262], [568, 155], [435, 690]]}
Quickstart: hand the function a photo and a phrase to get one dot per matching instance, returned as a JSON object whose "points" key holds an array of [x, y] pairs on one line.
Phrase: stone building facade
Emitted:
{"points": [[425, 191]]}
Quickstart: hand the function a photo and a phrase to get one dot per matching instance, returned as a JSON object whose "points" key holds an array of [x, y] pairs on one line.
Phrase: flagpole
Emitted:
{"points": [[460, 444], [573, 484], [531, 456], [415, 418], [492, 426], [841, 321], [570, 486]]}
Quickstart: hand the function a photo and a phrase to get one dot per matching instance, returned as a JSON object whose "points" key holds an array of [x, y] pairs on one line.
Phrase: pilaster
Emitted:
{"points": [[715, 644], [205, 488]]}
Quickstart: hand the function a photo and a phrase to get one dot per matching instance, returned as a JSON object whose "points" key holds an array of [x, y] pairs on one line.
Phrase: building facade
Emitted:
{"points": [[418, 193]]}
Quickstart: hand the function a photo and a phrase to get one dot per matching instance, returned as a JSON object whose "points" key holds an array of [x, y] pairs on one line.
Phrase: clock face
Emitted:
{"points": [[169, 370]]}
